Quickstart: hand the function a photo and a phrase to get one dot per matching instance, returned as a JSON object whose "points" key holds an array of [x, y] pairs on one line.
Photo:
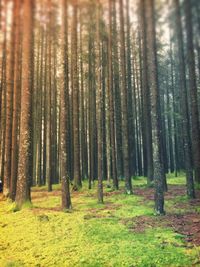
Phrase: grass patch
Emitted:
{"points": [[179, 180], [91, 234]]}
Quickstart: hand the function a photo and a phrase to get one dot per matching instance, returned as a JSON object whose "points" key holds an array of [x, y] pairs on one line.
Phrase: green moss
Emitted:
{"points": [[179, 180], [197, 186], [90, 235]]}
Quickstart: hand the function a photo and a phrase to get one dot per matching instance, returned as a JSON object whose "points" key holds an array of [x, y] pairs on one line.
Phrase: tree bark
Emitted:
{"points": [[128, 183], [155, 108], [193, 91], [64, 118], [16, 103], [9, 108], [25, 145], [146, 97], [75, 87], [184, 104], [111, 101], [99, 108]]}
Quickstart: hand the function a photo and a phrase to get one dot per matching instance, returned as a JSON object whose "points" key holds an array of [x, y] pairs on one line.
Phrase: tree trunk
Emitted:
{"points": [[111, 102], [193, 91], [155, 108], [128, 183], [184, 104], [25, 145], [99, 108], [64, 118], [9, 108], [75, 88], [16, 103], [146, 97]]}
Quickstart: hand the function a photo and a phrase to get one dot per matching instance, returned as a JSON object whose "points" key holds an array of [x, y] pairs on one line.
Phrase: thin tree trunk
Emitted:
{"points": [[9, 108], [48, 97], [75, 87], [64, 118], [146, 97], [111, 102], [99, 108], [117, 94], [128, 183]]}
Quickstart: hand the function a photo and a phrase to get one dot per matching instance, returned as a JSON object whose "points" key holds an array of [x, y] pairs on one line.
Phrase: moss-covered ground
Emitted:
{"points": [[95, 235]]}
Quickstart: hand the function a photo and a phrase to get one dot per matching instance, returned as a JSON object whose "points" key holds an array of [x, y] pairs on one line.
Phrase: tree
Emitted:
{"points": [[155, 108], [125, 149], [146, 96], [184, 104], [25, 143], [111, 102], [75, 98], [91, 96], [131, 129], [9, 108], [193, 91], [117, 92], [48, 98], [64, 119], [99, 108], [3, 89], [16, 102], [83, 113]]}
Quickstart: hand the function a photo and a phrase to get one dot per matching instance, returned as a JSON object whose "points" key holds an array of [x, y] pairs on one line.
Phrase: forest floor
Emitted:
{"points": [[121, 232]]}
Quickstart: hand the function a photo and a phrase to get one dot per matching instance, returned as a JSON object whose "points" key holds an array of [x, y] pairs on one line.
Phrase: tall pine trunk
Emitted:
{"points": [[25, 144], [99, 108], [75, 97], [16, 103], [193, 90], [155, 108], [184, 104], [146, 97], [125, 149], [9, 107], [111, 102], [64, 117]]}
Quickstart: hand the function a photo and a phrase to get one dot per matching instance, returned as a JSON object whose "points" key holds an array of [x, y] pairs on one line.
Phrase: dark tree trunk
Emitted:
{"points": [[193, 91], [111, 102], [117, 94], [131, 129], [146, 98], [64, 117], [128, 182], [184, 104], [75, 87]]}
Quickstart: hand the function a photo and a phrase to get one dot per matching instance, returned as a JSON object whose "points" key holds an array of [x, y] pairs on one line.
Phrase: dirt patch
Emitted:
{"points": [[186, 224], [173, 191], [108, 206], [113, 193], [44, 194], [40, 210], [188, 205]]}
